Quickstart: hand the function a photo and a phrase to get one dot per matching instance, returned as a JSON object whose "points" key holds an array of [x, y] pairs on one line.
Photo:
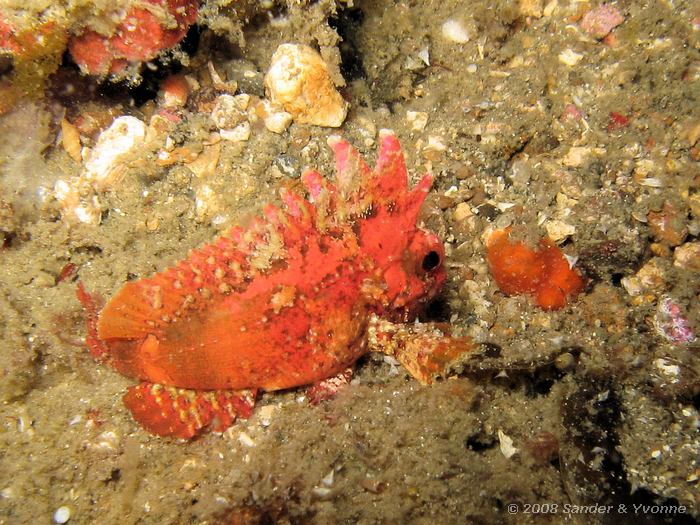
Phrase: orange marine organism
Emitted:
{"points": [[543, 272], [294, 299]]}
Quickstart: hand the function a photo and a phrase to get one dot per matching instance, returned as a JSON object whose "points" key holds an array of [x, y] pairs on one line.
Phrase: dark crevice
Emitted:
{"points": [[347, 24], [6, 65], [437, 311], [479, 442], [592, 415]]}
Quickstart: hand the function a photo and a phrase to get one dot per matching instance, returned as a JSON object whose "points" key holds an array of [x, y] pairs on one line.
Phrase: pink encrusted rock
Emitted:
{"points": [[672, 323], [600, 21]]}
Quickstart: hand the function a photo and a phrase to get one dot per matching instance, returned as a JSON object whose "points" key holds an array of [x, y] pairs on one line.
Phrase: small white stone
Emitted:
{"points": [[559, 230], [246, 440], [278, 122], [435, 143], [229, 111], [570, 57], [454, 31], [575, 156], [265, 414], [62, 515], [240, 133], [417, 119]]}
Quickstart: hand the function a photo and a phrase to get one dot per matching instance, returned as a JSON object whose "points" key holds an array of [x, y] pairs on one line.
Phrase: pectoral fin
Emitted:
{"points": [[423, 349], [183, 413]]}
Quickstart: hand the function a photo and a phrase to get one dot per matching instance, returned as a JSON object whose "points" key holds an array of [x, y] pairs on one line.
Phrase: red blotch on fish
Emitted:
{"points": [[544, 272], [294, 299]]}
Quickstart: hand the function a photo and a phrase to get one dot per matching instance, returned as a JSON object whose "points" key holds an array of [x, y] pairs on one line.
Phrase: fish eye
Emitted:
{"points": [[431, 260]]}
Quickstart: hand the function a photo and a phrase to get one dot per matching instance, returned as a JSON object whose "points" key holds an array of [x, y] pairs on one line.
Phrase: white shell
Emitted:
{"points": [[454, 31], [62, 515], [299, 80], [104, 165]]}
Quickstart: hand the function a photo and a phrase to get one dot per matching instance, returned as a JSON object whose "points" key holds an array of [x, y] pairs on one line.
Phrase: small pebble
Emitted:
{"points": [[62, 515], [462, 212], [299, 79], [687, 256], [600, 21], [570, 57], [668, 224], [454, 31], [531, 8], [417, 119], [240, 133], [565, 362], [575, 156], [559, 230]]}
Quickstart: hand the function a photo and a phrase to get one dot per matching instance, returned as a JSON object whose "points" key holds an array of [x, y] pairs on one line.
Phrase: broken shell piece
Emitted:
{"points": [[240, 133], [570, 57], [229, 111], [78, 201], [417, 119], [70, 138], [506, 445], [218, 82], [687, 256], [105, 163], [274, 118], [558, 231], [299, 80], [205, 163]]}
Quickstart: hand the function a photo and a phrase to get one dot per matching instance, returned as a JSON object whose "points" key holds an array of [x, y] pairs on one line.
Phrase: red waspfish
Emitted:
{"points": [[293, 299]]}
